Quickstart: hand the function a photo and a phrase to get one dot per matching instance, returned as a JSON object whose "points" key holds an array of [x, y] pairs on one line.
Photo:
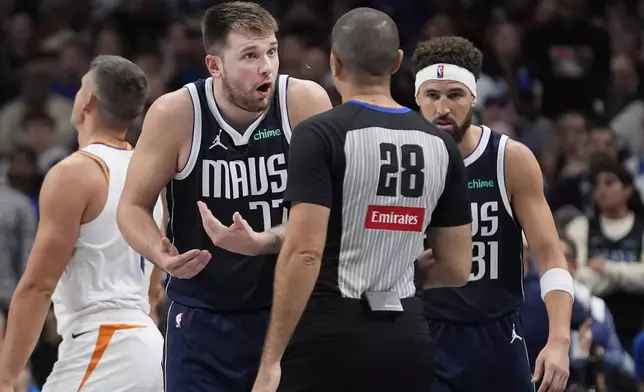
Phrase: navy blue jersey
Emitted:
{"points": [[495, 286], [628, 248], [230, 171]]}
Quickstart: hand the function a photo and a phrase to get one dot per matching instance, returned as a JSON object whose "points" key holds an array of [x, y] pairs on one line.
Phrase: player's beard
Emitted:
{"points": [[243, 99], [458, 131]]}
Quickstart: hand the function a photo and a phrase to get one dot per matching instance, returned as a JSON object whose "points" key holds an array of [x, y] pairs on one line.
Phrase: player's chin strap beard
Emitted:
{"points": [[448, 72]]}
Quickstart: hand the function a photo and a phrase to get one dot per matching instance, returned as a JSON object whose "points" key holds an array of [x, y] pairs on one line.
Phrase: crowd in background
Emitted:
{"points": [[562, 76]]}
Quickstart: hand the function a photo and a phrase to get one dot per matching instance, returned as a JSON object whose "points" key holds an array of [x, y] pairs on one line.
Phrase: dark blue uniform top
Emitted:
{"points": [[627, 248], [230, 171], [495, 287]]}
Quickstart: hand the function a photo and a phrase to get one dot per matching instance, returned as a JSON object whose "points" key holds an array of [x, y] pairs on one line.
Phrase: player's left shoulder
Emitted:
{"points": [[75, 176], [305, 98], [522, 170], [520, 159]]}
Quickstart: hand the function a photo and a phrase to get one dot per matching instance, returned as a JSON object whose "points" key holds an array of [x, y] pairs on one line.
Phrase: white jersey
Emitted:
{"points": [[105, 280]]}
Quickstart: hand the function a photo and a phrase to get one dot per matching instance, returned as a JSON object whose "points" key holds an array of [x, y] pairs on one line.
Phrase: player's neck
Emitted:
{"points": [[470, 140], [101, 135], [617, 213], [374, 95], [233, 114]]}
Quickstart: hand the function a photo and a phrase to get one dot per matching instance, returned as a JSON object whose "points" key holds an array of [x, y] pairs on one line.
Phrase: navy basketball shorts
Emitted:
{"points": [[489, 356], [206, 351]]}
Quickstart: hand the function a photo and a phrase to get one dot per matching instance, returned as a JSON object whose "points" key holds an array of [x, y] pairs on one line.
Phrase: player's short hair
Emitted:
{"points": [[366, 41], [219, 20], [448, 50], [120, 88]]}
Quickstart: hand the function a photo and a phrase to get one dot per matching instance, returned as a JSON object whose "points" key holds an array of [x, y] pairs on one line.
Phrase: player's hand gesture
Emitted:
{"points": [[185, 265], [237, 238], [552, 367], [268, 378]]}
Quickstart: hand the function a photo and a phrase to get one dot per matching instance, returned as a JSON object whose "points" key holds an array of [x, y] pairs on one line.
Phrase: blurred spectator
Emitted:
{"points": [[17, 232], [610, 249], [570, 56], [36, 96], [604, 335], [505, 65], [39, 135], [73, 61], [14, 52], [568, 167], [109, 41], [24, 175]]}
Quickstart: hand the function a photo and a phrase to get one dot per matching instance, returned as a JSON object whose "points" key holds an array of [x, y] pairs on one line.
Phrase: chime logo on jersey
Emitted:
{"points": [[241, 178], [266, 133], [394, 218]]}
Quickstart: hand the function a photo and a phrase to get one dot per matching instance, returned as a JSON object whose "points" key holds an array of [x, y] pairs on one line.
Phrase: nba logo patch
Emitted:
{"points": [[177, 320], [440, 71]]}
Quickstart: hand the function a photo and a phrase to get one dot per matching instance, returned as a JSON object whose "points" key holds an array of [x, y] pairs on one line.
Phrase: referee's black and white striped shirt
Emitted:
{"points": [[386, 174]]}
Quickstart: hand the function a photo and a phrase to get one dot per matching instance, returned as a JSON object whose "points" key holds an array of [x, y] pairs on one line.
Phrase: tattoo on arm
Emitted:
{"points": [[276, 238]]}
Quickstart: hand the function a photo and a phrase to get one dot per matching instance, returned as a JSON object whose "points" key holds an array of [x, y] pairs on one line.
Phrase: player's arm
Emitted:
{"points": [[449, 234], [306, 98], [310, 191], [154, 292], [525, 184], [165, 135], [64, 199]]}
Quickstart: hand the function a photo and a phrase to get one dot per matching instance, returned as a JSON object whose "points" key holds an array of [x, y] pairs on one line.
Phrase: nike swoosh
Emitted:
{"points": [[75, 335]]}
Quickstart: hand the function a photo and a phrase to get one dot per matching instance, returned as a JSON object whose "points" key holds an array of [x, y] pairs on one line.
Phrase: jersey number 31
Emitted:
{"points": [[406, 168]]}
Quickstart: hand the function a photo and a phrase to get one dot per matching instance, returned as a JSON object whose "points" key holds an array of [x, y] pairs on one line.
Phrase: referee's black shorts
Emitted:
{"points": [[339, 346]]}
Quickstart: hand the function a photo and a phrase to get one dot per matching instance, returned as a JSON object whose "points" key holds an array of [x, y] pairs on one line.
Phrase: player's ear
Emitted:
{"points": [[89, 103], [214, 65], [399, 59], [474, 101]]}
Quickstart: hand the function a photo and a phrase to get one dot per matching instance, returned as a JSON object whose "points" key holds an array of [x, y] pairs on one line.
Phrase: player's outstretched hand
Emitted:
{"points": [[237, 238], [185, 265], [268, 378], [552, 367]]}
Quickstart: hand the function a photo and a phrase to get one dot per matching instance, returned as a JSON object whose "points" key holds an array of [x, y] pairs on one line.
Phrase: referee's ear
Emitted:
{"points": [[399, 59]]}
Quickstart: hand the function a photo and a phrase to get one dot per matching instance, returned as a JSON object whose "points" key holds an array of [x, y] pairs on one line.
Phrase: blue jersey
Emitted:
{"points": [[230, 171], [495, 286]]}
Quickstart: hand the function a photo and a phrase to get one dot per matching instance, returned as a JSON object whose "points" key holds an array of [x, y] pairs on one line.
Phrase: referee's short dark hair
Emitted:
{"points": [[366, 42]]}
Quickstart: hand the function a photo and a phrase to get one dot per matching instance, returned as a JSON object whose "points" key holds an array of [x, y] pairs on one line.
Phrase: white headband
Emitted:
{"points": [[450, 72]]}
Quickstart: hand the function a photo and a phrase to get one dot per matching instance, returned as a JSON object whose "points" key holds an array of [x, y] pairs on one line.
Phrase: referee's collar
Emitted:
{"points": [[380, 108]]}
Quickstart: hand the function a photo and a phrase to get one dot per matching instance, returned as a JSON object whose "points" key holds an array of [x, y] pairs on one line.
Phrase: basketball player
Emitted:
{"points": [[366, 180], [80, 261], [223, 141], [478, 335]]}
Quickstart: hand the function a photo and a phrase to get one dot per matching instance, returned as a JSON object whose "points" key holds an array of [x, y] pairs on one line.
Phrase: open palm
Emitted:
{"points": [[239, 237]]}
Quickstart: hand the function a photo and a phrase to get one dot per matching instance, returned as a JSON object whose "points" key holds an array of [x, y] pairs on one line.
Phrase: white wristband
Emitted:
{"points": [[557, 279]]}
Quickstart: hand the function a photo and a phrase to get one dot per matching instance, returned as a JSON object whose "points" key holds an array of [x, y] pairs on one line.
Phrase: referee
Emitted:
{"points": [[367, 180]]}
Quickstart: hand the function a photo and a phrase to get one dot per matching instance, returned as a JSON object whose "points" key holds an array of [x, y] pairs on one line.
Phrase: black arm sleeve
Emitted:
{"points": [[309, 166], [453, 207]]}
